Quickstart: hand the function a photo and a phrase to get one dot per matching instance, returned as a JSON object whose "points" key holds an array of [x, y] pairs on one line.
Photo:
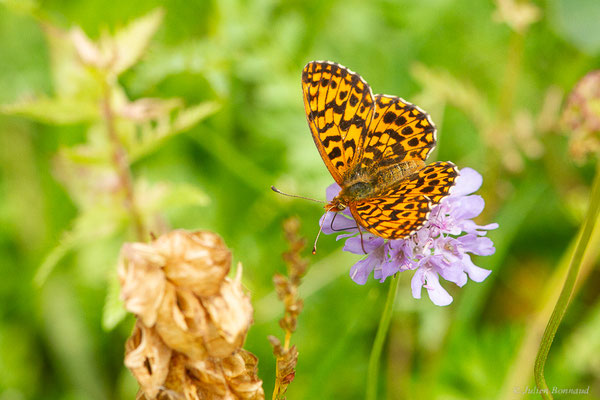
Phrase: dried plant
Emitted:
{"points": [[287, 291], [192, 319]]}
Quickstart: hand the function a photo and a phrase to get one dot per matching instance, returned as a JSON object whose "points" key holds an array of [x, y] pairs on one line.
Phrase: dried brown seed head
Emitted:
{"points": [[142, 280], [178, 288], [198, 261]]}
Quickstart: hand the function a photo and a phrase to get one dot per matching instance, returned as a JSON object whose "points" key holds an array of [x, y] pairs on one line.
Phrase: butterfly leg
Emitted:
{"points": [[362, 244], [340, 229]]}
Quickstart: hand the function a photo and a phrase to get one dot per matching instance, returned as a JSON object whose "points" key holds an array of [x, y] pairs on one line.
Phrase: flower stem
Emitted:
{"points": [[121, 164], [384, 324], [568, 287]]}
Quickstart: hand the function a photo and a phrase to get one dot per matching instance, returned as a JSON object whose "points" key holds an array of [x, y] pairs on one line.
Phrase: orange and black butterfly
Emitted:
{"points": [[375, 148]]}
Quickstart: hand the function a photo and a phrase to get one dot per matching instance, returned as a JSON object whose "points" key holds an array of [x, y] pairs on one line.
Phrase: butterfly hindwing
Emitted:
{"points": [[400, 211], [433, 180], [392, 217], [339, 108]]}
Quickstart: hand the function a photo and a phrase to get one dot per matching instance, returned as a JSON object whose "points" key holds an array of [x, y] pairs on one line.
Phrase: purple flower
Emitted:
{"points": [[441, 248]]}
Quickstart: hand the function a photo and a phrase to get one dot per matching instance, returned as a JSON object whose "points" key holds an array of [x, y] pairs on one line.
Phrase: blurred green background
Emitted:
{"points": [[493, 75]]}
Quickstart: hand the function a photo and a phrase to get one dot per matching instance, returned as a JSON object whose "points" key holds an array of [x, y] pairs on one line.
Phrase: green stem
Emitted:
{"points": [[121, 164], [384, 324], [567, 290]]}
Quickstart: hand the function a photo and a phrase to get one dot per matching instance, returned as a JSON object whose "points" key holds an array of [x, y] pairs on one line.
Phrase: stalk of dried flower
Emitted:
{"points": [[286, 363], [287, 291]]}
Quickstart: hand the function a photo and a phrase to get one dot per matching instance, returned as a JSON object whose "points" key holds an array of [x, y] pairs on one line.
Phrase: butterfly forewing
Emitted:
{"points": [[399, 131], [339, 107]]}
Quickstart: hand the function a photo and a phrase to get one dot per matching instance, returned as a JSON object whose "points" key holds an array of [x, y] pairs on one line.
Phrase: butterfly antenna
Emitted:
{"points": [[273, 188], [314, 250]]}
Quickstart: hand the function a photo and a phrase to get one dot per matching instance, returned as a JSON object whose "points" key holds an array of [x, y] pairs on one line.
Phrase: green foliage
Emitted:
{"points": [[193, 110]]}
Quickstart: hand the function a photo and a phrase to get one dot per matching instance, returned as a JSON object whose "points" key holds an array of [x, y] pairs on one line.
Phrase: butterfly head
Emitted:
{"points": [[353, 191], [337, 204]]}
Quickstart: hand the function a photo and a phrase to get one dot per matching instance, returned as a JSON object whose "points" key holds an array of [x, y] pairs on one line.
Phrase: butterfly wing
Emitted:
{"points": [[339, 108], [399, 131], [400, 211]]}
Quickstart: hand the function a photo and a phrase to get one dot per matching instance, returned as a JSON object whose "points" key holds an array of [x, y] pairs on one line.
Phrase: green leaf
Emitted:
{"points": [[578, 22], [153, 137], [157, 197], [57, 111], [90, 225], [74, 346], [21, 6], [114, 310], [71, 79], [131, 41], [190, 116], [198, 57]]}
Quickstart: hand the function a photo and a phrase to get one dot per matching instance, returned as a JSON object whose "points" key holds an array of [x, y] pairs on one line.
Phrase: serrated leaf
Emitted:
{"points": [[131, 41], [183, 194], [70, 78], [56, 111], [114, 311], [153, 137], [190, 116], [199, 57]]}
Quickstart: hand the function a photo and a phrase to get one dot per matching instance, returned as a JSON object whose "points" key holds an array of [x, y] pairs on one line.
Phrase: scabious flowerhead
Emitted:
{"points": [[441, 248], [581, 117]]}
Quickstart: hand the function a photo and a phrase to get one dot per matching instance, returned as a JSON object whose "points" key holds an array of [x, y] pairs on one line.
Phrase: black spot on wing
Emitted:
{"points": [[335, 153]]}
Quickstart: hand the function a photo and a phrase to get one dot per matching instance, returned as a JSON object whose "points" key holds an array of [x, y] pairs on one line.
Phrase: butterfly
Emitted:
{"points": [[375, 148]]}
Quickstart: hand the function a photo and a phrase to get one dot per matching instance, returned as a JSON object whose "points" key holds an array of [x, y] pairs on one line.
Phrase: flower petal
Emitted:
{"points": [[332, 191], [468, 181], [467, 207], [355, 244], [361, 270], [438, 295], [482, 246], [417, 281], [476, 273]]}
